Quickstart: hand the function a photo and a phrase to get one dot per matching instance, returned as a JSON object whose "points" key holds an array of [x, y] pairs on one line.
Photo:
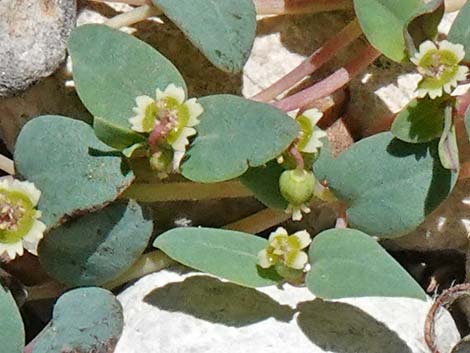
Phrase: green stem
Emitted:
{"points": [[322, 55], [148, 263], [158, 191], [131, 17]]}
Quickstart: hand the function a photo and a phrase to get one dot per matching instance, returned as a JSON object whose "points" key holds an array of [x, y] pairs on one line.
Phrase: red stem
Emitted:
{"points": [[284, 7], [330, 84], [299, 159], [463, 102], [322, 55]]}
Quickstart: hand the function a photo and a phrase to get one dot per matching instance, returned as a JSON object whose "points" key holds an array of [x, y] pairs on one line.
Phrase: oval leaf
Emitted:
{"points": [[264, 183], [111, 68], [97, 247], [84, 320], [11, 325], [390, 185], [74, 170], [348, 263], [460, 30], [421, 121], [384, 24], [223, 30], [234, 134], [224, 253]]}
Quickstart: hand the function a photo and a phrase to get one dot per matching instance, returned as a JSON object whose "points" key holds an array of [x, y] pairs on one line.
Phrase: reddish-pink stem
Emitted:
{"points": [[322, 55], [330, 84], [299, 159], [463, 102]]}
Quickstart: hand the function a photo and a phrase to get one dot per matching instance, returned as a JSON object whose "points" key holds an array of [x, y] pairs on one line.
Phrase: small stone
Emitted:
{"points": [[33, 37], [171, 311]]}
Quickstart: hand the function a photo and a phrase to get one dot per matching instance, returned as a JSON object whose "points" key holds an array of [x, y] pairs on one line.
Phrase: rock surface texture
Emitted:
{"points": [[33, 36], [173, 312]]}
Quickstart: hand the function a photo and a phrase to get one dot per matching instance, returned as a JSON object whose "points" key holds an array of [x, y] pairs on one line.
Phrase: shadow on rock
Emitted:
{"points": [[210, 299], [343, 328]]}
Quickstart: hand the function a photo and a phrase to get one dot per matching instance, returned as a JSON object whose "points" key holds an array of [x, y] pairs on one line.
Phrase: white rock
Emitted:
{"points": [[171, 312]]}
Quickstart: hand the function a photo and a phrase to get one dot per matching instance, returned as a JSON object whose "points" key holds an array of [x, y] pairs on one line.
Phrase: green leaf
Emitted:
{"points": [[460, 30], [234, 134], [115, 136], [264, 183], [224, 253], [448, 148], [12, 335], [111, 68], [389, 185], [97, 247], [84, 320], [348, 263], [223, 30], [421, 121], [384, 23], [74, 170], [423, 25]]}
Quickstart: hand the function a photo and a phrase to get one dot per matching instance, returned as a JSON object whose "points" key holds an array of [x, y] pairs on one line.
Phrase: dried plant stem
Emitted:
{"points": [[322, 55], [259, 221], [129, 2], [446, 298], [7, 165], [284, 7], [274, 7], [330, 84], [153, 192], [148, 263], [136, 15]]}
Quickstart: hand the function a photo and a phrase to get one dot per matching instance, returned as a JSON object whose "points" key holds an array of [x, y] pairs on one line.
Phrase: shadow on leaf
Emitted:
{"points": [[342, 328], [212, 300]]}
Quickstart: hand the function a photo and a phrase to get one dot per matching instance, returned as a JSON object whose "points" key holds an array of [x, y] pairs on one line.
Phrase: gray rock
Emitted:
{"points": [[33, 36], [171, 312]]}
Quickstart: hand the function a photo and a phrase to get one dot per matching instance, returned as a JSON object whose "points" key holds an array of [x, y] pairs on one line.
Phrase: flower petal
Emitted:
{"points": [[279, 231], [457, 49], [263, 259], [315, 142], [32, 238], [172, 91], [182, 141], [303, 237], [12, 249], [297, 260], [195, 110], [314, 115], [27, 188]]}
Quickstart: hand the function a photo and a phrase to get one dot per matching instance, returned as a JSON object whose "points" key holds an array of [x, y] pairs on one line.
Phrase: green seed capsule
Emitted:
{"points": [[297, 186]]}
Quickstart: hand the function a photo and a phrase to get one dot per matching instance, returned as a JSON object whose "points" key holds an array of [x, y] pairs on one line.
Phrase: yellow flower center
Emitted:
{"points": [[17, 216]]}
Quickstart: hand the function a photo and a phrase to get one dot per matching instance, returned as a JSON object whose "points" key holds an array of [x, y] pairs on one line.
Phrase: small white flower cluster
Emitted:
{"points": [[175, 117], [286, 250], [19, 220], [439, 67]]}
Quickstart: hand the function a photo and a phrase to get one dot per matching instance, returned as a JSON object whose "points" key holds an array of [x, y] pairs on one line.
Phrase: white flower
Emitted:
{"points": [[439, 66], [310, 136], [285, 249], [19, 224], [173, 116]]}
